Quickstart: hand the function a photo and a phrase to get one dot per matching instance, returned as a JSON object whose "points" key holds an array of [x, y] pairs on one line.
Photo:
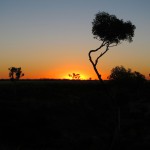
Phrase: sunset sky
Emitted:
{"points": [[52, 38]]}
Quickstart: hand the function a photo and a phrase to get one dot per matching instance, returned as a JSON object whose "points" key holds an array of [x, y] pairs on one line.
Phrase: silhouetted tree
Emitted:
{"points": [[110, 31], [74, 76], [120, 74], [138, 76], [15, 73]]}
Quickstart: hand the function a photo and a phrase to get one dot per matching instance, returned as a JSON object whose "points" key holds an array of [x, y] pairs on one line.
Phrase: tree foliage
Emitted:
{"points": [[110, 31], [119, 73], [15, 73]]}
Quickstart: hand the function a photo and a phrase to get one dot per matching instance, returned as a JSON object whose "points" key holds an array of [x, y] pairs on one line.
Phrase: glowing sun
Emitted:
{"points": [[75, 76]]}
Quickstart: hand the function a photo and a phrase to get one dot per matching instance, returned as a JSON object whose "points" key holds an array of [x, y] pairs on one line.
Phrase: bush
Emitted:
{"points": [[121, 74]]}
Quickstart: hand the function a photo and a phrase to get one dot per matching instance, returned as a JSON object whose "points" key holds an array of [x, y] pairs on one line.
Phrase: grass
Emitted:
{"points": [[70, 115]]}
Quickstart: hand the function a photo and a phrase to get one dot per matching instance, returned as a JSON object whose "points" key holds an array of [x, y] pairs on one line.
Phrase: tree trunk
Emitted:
{"points": [[98, 75]]}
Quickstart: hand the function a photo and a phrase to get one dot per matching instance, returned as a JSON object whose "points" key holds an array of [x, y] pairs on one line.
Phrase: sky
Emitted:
{"points": [[52, 38]]}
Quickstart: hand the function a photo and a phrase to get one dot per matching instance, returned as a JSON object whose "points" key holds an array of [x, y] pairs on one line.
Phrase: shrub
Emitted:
{"points": [[121, 74]]}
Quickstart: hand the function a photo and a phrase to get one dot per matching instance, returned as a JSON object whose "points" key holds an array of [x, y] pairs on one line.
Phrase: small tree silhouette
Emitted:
{"points": [[74, 76], [15, 73], [121, 74], [111, 31]]}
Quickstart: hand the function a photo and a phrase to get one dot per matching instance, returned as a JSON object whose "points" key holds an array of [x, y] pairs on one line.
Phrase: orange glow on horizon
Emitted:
{"points": [[57, 74], [82, 77], [60, 72]]}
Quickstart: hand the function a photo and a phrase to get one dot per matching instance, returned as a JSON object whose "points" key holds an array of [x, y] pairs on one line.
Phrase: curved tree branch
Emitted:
{"points": [[94, 64], [107, 44], [96, 61], [91, 51]]}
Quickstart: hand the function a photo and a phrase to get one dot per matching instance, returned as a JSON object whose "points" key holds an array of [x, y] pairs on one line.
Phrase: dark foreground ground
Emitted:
{"points": [[73, 115]]}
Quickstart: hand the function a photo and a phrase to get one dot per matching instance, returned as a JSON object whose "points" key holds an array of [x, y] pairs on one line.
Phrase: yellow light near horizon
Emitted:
{"points": [[82, 77]]}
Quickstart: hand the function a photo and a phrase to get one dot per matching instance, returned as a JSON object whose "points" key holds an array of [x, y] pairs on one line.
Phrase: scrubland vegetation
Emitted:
{"points": [[73, 115]]}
